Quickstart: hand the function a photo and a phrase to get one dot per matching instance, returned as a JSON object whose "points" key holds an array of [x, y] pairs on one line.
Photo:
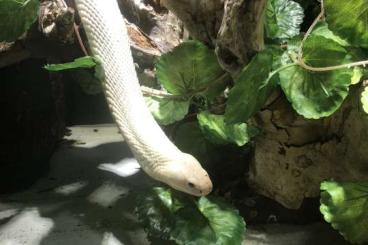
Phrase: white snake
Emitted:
{"points": [[158, 156]]}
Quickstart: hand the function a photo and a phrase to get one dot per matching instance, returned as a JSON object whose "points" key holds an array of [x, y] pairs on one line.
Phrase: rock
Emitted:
{"points": [[294, 155]]}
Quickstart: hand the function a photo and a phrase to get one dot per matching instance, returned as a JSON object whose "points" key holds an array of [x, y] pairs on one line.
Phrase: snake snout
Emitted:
{"points": [[207, 186]]}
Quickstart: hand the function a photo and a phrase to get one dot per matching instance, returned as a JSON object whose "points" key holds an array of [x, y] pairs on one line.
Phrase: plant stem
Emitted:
{"points": [[76, 31], [307, 34], [158, 93], [277, 71], [331, 68], [322, 6]]}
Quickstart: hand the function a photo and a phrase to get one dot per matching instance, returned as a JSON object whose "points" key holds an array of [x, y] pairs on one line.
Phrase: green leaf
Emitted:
{"points": [[191, 68], [321, 51], [348, 19], [166, 110], [322, 30], [251, 89], [364, 99], [189, 138], [345, 206], [193, 231], [223, 219], [16, 18], [217, 131], [154, 210], [283, 18], [186, 220], [358, 73], [317, 94], [83, 62]]}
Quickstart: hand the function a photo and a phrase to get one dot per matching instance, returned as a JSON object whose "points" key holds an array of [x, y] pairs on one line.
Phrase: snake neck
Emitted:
{"points": [[109, 43]]}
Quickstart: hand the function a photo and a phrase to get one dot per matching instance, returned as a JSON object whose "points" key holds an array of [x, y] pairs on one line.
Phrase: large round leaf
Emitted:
{"points": [[190, 68], [283, 18], [186, 220], [345, 206], [166, 110], [317, 94], [223, 219], [349, 19], [16, 17], [364, 99], [322, 30], [190, 139]]}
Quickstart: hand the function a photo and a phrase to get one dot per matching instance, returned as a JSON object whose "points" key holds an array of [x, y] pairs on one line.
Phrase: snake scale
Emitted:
{"points": [[109, 43]]}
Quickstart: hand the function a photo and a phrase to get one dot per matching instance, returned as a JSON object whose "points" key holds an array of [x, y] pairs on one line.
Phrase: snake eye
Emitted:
{"points": [[191, 185]]}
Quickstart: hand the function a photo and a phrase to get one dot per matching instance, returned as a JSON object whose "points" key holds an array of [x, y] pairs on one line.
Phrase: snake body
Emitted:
{"points": [[157, 155]]}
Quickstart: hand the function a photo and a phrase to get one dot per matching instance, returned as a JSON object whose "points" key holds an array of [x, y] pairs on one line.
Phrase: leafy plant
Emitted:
{"points": [[283, 18], [16, 18], [218, 132], [186, 220], [167, 111], [83, 62], [88, 81], [191, 69], [316, 95], [364, 99], [190, 138], [345, 205], [191, 75], [251, 89], [348, 19]]}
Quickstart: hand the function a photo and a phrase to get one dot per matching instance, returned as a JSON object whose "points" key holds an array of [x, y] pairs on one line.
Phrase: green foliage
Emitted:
{"points": [[358, 74], [349, 19], [364, 99], [189, 138], [317, 94], [166, 110], [313, 80], [16, 17], [186, 220], [322, 30], [251, 89], [191, 68], [88, 81], [345, 206], [217, 131], [283, 18], [83, 62]]}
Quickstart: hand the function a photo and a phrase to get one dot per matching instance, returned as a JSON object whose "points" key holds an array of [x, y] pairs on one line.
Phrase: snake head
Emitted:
{"points": [[187, 175]]}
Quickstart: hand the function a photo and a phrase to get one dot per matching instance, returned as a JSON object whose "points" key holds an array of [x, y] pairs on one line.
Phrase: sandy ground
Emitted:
{"points": [[84, 200]]}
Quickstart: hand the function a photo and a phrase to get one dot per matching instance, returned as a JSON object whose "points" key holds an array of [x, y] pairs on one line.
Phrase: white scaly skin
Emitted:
{"points": [[158, 156]]}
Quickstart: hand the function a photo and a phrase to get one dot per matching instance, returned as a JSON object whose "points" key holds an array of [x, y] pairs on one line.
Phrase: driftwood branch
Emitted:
{"points": [[233, 27], [12, 53]]}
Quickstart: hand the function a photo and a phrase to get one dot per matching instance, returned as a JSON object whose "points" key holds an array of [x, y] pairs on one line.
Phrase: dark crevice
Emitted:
{"points": [[333, 137]]}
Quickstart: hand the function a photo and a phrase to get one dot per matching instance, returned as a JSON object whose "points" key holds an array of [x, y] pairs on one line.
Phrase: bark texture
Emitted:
{"points": [[233, 27]]}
